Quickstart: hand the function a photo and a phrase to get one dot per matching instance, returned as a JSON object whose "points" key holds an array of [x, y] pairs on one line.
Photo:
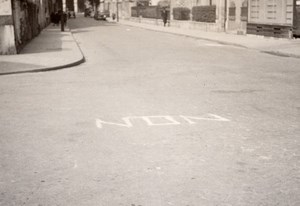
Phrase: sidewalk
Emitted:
{"points": [[53, 49], [50, 50], [281, 47]]}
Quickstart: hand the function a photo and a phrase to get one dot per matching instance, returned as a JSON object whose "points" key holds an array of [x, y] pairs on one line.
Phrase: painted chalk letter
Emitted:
{"points": [[208, 117], [126, 120], [171, 120]]}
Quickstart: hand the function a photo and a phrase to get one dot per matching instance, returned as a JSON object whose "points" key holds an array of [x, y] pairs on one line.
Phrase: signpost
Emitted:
{"points": [[62, 15]]}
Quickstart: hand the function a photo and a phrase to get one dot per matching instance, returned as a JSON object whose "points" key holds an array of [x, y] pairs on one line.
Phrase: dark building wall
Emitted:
{"points": [[30, 17], [81, 6], [70, 5], [297, 19]]}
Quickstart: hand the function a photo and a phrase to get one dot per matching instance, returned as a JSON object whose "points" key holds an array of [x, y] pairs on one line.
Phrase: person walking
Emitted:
{"points": [[56, 18], [65, 17], [52, 18], [164, 15]]}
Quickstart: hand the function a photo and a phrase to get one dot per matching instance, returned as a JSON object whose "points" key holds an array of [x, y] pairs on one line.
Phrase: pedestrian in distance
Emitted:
{"points": [[65, 17], [52, 18], [164, 15], [56, 18]]}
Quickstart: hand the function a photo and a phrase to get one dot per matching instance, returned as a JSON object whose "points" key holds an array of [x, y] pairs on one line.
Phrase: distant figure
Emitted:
{"points": [[60, 15], [52, 18], [56, 18], [164, 15], [65, 17]]}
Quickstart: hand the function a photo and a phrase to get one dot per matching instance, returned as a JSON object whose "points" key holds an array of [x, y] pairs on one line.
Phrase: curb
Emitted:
{"points": [[280, 54], [276, 53], [194, 37], [46, 69], [189, 36]]}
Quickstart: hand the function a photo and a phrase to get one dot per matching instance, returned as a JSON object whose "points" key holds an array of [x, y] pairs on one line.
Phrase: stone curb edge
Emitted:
{"points": [[281, 54], [277, 53], [45, 69]]}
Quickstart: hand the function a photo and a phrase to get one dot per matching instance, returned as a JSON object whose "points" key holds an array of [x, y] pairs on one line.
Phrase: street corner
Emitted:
{"points": [[51, 50]]}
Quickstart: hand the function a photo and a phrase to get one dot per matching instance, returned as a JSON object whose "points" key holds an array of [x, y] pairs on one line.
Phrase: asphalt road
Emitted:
{"points": [[152, 119]]}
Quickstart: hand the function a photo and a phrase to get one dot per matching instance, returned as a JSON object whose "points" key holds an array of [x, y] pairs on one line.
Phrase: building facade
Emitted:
{"points": [[277, 18], [21, 21], [119, 8], [218, 24], [236, 16], [271, 18], [7, 34]]}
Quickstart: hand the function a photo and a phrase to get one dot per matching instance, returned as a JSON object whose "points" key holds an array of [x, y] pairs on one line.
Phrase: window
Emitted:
{"points": [[232, 11], [271, 9], [244, 11]]}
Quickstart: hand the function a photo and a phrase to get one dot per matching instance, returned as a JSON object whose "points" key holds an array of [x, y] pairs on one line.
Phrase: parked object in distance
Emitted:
{"points": [[101, 15], [88, 12], [71, 14]]}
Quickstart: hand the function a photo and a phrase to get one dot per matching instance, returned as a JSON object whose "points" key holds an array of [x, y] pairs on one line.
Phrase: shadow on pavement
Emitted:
{"points": [[89, 22], [50, 40], [6, 67]]}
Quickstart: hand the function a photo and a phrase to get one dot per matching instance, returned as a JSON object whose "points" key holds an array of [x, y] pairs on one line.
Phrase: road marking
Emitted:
{"points": [[128, 124], [162, 120], [171, 120], [75, 164], [208, 117]]}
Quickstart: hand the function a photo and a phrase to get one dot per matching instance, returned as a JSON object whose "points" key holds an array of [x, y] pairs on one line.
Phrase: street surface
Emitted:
{"points": [[152, 119]]}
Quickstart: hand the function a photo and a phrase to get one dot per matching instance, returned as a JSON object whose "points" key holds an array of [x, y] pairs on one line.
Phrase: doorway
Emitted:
{"points": [[296, 31]]}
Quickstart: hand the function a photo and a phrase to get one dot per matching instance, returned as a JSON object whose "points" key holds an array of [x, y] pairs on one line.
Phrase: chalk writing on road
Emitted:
{"points": [[161, 120]]}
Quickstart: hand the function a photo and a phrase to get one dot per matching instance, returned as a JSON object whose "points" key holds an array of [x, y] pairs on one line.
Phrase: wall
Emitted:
{"points": [[21, 21], [237, 16], [26, 22], [124, 7], [297, 19], [271, 12], [220, 11], [203, 26], [7, 37], [154, 2], [80, 6], [30, 17], [111, 5], [272, 18], [217, 26]]}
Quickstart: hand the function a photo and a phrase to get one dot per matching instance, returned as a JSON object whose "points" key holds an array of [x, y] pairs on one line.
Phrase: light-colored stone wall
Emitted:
{"points": [[220, 11], [236, 23], [124, 7], [7, 37], [271, 12], [218, 26], [27, 19], [154, 2], [7, 40]]}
